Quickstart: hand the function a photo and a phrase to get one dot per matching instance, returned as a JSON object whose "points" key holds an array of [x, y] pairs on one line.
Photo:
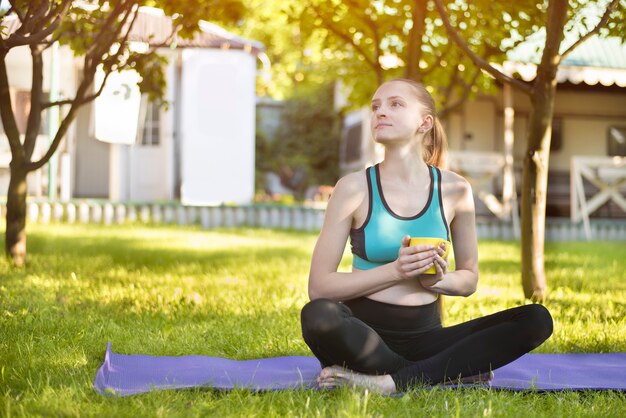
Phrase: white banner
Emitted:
{"points": [[117, 108]]}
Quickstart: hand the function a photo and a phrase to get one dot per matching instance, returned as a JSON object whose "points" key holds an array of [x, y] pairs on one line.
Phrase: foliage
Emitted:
{"points": [[356, 42], [310, 133], [299, 63], [237, 294], [307, 139]]}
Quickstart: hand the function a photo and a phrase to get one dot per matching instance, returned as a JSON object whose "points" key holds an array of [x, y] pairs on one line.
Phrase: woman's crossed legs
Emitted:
{"points": [[341, 341]]}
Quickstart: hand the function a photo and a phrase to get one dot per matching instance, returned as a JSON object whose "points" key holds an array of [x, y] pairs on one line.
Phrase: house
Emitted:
{"points": [[199, 148], [589, 128]]}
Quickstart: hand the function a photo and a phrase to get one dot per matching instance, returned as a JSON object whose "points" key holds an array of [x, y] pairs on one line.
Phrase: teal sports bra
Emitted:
{"points": [[378, 240]]}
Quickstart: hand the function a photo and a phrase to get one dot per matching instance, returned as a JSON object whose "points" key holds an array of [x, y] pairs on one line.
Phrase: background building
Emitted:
{"points": [[199, 148]]}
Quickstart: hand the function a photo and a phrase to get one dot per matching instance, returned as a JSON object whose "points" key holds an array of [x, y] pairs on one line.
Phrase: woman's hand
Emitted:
{"points": [[414, 261], [441, 266]]}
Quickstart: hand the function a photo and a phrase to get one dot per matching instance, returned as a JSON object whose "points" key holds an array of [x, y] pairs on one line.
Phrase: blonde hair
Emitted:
{"points": [[435, 144]]}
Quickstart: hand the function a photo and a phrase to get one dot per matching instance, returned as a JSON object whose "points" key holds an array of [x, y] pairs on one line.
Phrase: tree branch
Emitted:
{"points": [[498, 75], [15, 9], [595, 30], [17, 39], [55, 10], [101, 41], [114, 58], [36, 93], [105, 40], [415, 41], [365, 19], [7, 114], [437, 60], [347, 39], [549, 64], [80, 98], [85, 99], [166, 41], [65, 124], [447, 91], [46, 105], [34, 13], [51, 42], [467, 88], [5, 14]]}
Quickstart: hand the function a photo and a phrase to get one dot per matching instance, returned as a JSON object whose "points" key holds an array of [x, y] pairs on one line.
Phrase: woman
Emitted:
{"points": [[379, 326]]}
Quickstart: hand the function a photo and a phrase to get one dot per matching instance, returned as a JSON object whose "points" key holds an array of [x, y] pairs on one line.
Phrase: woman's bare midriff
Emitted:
{"points": [[407, 293]]}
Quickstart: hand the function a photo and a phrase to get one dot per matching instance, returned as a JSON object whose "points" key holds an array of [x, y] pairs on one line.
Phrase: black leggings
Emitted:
{"points": [[409, 343]]}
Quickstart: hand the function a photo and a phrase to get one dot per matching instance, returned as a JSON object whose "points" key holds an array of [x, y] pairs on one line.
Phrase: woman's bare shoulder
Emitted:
{"points": [[454, 182], [456, 189], [349, 195], [352, 183]]}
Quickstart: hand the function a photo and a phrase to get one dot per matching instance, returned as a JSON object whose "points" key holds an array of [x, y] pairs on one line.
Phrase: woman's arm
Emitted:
{"points": [[462, 281], [324, 279]]}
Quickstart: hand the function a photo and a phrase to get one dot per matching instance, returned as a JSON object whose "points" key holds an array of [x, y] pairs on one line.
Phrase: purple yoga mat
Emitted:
{"points": [[124, 374]]}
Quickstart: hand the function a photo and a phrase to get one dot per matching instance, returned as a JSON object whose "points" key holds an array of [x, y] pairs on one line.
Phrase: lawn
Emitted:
{"points": [[237, 294]]}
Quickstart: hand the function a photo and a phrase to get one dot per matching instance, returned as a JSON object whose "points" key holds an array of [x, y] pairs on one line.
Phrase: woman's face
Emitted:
{"points": [[396, 113]]}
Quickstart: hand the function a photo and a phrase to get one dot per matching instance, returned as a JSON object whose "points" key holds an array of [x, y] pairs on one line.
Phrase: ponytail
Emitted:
{"points": [[435, 145]]}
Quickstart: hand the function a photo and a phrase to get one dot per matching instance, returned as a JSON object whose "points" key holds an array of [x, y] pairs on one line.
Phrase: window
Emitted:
{"points": [[151, 135], [617, 141]]}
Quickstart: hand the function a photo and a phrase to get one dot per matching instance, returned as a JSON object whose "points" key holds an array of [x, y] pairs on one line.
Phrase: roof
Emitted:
{"points": [[597, 60], [599, 53], [154, 28]]}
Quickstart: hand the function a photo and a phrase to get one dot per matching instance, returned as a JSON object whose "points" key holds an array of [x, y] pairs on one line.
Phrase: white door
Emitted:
{"points": [[149, 162]]}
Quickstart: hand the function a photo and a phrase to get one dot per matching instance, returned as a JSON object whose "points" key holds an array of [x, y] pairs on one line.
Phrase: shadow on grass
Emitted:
{"points": [[55, 254]]}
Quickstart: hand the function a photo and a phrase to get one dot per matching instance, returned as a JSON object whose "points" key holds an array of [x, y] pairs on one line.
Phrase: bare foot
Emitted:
{"points": [[481, 378], [335, 376]]}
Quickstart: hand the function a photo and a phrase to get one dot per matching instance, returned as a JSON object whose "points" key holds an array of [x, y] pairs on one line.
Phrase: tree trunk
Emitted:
{"points": [[15, 239], [535, 187], [537, 159], [414, 47]]}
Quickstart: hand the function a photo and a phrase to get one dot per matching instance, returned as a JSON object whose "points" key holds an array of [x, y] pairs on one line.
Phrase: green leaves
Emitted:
{"points": [[307, 140], [150, 66]]}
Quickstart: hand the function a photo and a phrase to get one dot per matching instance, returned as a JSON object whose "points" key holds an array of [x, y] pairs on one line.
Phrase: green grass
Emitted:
{"points": [[237, 294]]}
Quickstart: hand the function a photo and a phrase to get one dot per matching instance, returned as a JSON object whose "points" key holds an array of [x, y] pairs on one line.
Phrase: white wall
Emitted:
{"points": [[478, 127], [217, 126], [19, 68]]}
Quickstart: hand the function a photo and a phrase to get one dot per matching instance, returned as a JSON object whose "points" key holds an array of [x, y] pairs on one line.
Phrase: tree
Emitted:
{"points": [[308, 137], [374, 41], [98, 31], [562, 16]]}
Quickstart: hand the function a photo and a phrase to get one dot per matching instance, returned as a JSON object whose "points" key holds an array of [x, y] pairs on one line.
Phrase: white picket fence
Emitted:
{"points": [[300, 218], [108, 213], [557, 229]]}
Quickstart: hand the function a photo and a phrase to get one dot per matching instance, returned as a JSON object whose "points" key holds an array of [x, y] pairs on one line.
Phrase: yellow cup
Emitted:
{"points": [[436, 242]]}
